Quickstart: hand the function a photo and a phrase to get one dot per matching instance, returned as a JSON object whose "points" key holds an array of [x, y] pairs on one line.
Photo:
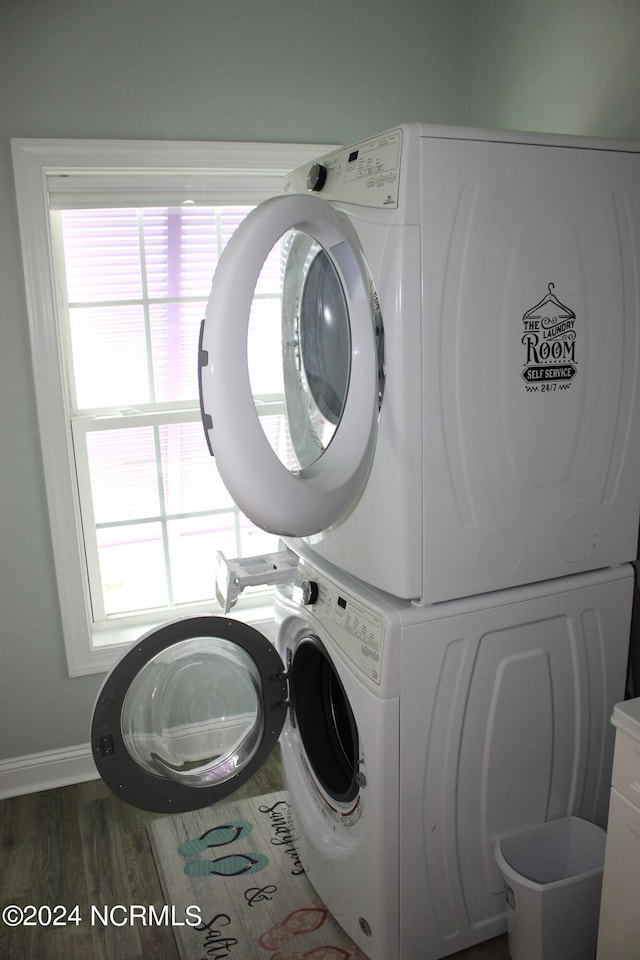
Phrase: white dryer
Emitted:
{"points": [[454, 409], [412, 738]]}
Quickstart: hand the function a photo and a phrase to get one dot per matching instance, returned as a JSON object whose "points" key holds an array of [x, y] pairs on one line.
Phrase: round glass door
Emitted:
{"points": [[291, 366], [316, 349], [305, 327], [189, 714]]}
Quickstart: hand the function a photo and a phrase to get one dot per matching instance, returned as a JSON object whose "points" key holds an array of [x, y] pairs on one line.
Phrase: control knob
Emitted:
{"points": [[317, 177], [309, 592]]}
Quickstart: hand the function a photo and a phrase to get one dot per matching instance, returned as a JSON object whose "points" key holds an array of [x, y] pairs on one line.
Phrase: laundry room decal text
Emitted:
{"points": [[549, 342]]}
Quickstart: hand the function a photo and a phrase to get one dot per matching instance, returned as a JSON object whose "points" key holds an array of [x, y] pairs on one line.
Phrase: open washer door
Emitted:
{"points": [[294, 450], [189, 714]]}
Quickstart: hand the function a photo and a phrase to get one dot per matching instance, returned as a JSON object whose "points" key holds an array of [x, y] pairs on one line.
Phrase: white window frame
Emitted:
{"points": [[174, 172]]}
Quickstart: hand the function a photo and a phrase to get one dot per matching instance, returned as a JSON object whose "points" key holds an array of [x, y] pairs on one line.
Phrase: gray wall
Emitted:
{"points": [[564, 66], [252, 70]]}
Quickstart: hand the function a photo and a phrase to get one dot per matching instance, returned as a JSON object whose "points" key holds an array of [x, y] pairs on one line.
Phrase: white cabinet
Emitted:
{"points": [[619, 932]]}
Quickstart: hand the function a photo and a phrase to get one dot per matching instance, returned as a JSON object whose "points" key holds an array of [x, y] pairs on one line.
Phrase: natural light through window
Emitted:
{"points": [[135, 284]]}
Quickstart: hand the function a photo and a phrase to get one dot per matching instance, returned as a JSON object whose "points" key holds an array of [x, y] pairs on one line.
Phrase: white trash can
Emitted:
{"points": [[552, 877]]}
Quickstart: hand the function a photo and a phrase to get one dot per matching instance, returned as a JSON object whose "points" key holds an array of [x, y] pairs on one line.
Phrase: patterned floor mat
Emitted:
{"points": [[236, 889]]}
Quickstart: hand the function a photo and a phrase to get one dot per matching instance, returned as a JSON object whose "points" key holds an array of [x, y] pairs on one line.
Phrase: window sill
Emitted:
{"points": [[109, 644]]}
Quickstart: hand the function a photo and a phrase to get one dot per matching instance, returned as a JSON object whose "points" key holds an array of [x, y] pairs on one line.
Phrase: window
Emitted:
{"points": [[120, 241], [132, 286]]}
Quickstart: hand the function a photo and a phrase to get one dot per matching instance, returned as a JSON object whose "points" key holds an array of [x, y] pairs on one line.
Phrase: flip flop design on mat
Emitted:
{"points": [[303, 920], [234, 865], [216, 837]]}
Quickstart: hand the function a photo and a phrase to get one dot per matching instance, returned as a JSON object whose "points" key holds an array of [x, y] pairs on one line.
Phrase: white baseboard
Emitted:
{"points": [[44, 771]]}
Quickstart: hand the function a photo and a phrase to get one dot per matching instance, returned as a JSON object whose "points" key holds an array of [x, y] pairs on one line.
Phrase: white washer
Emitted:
{"points": [[414, 738], [457, 404]]}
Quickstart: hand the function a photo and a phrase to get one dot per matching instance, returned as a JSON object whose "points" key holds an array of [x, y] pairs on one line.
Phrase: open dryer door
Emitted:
{"points": [[294, 449], [189, 714]]}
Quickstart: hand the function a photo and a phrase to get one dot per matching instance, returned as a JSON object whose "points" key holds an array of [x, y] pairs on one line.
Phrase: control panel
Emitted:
{"points": [[356, 628], [367, 173]]}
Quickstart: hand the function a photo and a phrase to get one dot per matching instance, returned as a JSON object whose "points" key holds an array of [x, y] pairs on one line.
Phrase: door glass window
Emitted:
{"points": [[194, 712], [307, 338]]}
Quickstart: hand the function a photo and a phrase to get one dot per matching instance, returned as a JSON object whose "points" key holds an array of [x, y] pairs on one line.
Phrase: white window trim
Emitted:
{"points": [[252, 171]]}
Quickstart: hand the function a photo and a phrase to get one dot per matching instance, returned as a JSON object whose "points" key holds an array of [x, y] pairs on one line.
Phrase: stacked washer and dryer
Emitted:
{"points": [[456, 479]]}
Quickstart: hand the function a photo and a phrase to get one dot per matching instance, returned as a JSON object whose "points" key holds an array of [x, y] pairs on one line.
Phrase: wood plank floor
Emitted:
{"points": [[81, 845]]}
